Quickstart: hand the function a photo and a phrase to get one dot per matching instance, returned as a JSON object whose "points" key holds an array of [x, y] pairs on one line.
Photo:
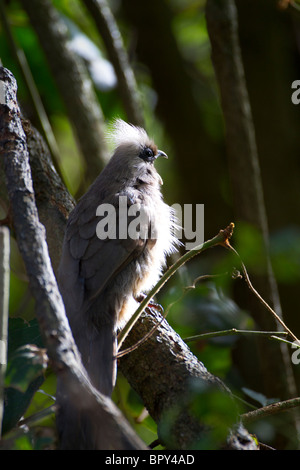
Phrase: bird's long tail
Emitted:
{"points": [[97, 345]]}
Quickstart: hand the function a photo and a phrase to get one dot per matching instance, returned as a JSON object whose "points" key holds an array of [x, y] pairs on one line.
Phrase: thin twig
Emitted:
{"points": [[268, 410], [294, 344], [249, 284], [150, 333], [220, 239], [143, 339], [232, 331], [203, 277]]}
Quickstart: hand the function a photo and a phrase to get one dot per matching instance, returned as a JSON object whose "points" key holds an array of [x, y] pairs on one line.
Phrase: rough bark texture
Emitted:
{"points": [[164, 372], [54, 203]]}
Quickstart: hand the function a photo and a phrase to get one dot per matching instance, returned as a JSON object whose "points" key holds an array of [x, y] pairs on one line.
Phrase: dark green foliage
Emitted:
{"points": [[183, 112]]}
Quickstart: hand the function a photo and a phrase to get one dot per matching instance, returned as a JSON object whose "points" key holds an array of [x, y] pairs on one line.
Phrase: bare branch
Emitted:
{"points": [[233, 331], [266, 305], [271, 409]]}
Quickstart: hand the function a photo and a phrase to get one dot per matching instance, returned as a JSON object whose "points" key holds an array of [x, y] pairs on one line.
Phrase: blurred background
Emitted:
{"points": [[170, 87]]}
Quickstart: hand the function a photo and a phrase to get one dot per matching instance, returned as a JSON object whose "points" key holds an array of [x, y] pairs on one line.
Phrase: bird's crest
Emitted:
{"points": [[123, 133]]}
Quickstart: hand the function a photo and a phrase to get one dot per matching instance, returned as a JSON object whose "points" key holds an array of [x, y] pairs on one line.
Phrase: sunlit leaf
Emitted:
{"points": [[26, 364]]}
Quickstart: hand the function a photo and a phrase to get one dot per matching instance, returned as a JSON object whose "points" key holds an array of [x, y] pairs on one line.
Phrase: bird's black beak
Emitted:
{"points": [[160, 153]]}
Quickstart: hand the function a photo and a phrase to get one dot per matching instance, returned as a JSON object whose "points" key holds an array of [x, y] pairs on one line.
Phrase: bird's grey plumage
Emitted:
{"points": [[100, 279]]}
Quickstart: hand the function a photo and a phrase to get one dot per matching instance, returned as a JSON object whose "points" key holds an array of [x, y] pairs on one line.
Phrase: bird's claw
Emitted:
{"points": [[151, 304]]}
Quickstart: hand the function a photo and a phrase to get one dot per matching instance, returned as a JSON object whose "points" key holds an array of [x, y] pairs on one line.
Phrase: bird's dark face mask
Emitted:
{"points": [[149, 154]]}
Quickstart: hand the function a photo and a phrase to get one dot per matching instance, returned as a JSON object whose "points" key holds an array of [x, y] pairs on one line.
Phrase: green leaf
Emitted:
{"points": [[26, 364], [25, 369], [16, 403], [23, 332]]}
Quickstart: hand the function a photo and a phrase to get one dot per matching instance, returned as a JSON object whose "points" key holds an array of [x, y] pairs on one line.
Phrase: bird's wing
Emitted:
{"points": [[98, 260]]}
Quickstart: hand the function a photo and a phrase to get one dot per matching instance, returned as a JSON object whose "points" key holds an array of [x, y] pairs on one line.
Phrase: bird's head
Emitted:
{"points": [[133, 147]]}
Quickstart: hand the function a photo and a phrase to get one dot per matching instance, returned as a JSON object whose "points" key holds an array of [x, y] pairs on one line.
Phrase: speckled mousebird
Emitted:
{"points": [[101, 279]]}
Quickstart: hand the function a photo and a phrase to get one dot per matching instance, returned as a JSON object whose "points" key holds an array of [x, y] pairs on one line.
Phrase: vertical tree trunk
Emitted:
{"points": [[276, 372]]}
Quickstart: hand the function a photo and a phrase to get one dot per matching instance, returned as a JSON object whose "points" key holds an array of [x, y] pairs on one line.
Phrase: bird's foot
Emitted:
{"points": [[151, 304]]}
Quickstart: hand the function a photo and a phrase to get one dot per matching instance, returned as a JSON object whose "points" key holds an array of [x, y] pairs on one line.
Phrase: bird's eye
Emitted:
{"points": [[147, 154]]}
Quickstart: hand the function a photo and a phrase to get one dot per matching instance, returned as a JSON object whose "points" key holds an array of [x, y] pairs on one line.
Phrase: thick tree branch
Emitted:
{"points": [[164, 372], [53, 201], [50, 311]]}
